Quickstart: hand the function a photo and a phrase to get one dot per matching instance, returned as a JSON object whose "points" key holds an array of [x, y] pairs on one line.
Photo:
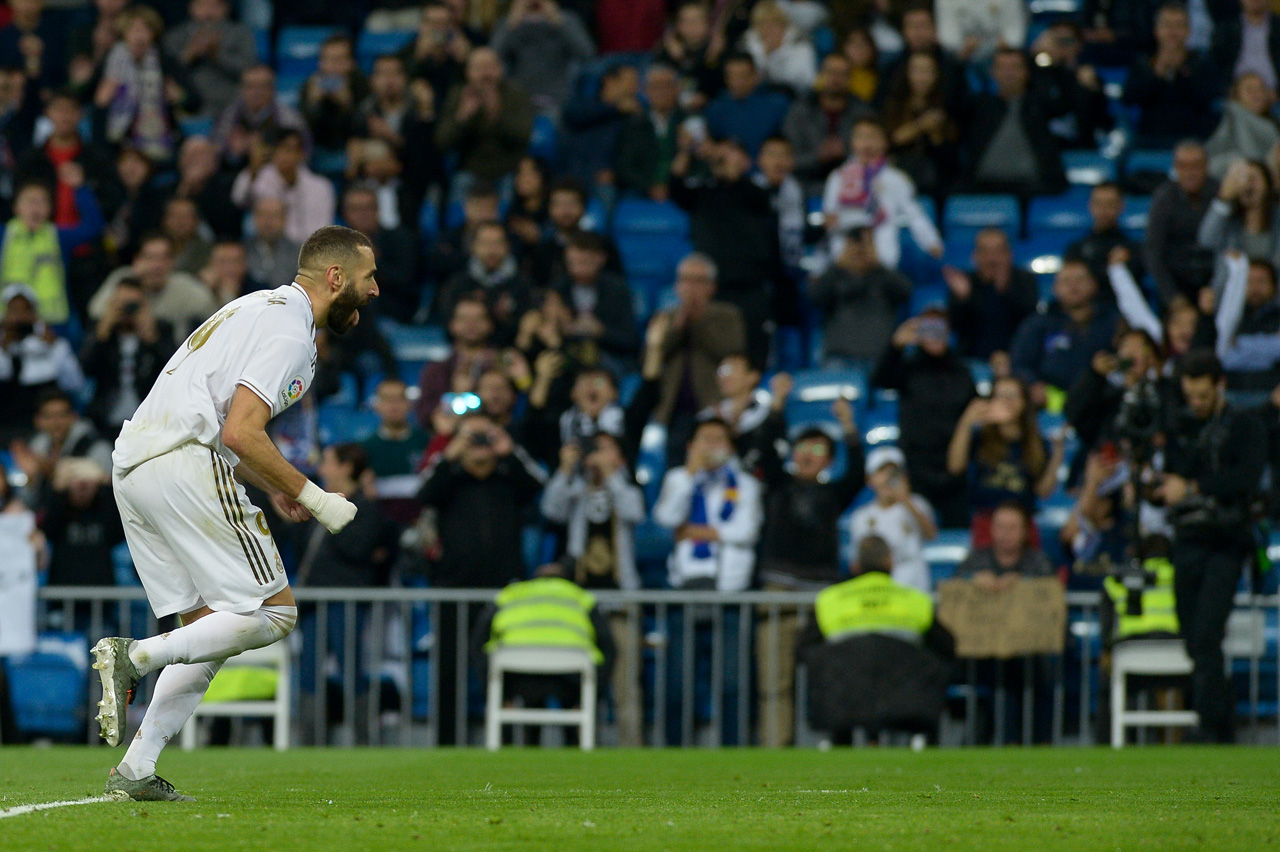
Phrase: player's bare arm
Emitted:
{"points": [[261, 463]]}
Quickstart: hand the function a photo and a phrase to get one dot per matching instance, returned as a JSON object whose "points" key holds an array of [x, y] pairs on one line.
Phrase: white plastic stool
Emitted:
{"points": [[547, 661], [278, 657], [1146, 657]]}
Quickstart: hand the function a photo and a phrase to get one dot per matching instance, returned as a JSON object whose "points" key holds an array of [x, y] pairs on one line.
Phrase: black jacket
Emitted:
{"points": [[1228, 38], [358, 557], [1093, 403], [102, 363], [986, 114], [1095, 247], [82, 540], [399, 273], [1172, 108], [987, 321], [1224, 455], [615, 309], [736, 225], [480, 521]]}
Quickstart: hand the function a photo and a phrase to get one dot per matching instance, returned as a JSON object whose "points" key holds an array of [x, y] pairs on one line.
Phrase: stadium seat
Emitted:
{"points": [[262, 40], [651, 464], [1160, 162], [965, 215], [48, 688], [1066, 214], [652, 238], [256, 700], [341, 423], [298, 49], [816, 390], [1145, 657], [1134, 218], [370, 45], [415, 342], [542, 143], [289, 89], [197, 126], [945, 553], [1088, 168], [543, 661]]}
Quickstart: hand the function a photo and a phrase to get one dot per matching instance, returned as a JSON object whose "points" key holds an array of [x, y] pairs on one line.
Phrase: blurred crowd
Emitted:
{"points": [[536, 384]]}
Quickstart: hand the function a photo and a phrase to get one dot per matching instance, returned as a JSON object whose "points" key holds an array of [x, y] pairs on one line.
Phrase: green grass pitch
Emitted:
{"points": [[561, 800]]}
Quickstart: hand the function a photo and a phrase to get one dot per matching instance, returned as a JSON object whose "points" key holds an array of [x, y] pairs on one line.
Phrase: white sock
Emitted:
{"points": [[216, 636], [178, 690]]}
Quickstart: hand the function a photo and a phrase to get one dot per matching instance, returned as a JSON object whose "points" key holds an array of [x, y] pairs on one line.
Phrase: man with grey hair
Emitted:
{"points": [[647, 143], [1173, 255], [696, 336]]}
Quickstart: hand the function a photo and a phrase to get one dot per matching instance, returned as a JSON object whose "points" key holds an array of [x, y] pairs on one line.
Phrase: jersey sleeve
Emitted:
{"points": [[280, 371]]}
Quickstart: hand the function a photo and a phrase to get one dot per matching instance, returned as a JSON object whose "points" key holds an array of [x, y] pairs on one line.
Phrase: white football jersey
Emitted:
{"points": [[265, 341]]}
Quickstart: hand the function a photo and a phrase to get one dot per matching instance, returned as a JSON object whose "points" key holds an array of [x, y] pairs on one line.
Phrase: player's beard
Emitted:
{"points": [[343, 312]]}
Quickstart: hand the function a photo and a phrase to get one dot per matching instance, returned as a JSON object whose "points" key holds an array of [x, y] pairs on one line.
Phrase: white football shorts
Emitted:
{"points": [[194, 536]]}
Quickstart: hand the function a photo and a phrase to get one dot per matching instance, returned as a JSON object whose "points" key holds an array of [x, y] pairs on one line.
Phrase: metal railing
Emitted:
{"points": [[694, 664]]}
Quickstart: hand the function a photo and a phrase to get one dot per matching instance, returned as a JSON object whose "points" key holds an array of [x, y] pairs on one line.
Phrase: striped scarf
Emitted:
{"points": [[698, 511]]}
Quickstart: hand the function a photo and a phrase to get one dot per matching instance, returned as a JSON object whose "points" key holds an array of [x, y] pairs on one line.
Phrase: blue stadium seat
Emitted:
{"points": [[415, 342], [816, 390], [298, 49], [197, 126], [1148, 161], [339, 423], [1113, 80], [289, 89], [542, 143], [1134, 218], [49, 687], [262, 39], [924, 295], [982, 375], [651, 464], [369, 46], [1066, 214], [968, 214], [1088, 168], [945, 553], [824, 41], [651, 237]]}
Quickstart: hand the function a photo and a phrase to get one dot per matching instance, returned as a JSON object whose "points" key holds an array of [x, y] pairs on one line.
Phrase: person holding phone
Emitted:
{"points": [[902, 518]]}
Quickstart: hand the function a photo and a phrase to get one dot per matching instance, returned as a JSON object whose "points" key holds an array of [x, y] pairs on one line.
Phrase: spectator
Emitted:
{"points": [[775, 174], [480, 488], [820, 121], [89, 42], [33, 359], [783, 54], [1173, 255], [37, 252], [395, 450], [394, 249], [333, 94], [593, 122], [647, 142], [480, 206], [181, 224], [1009, 146], [227, 272], [922, 133], [470, 330], [1115, 30], [901, 517], [402, 115], [989, 303], [1053, 349], [865, 79], [132, 204], [694, 51], [43, 164], [1173, 89], [526, 216], [82, 525], [207, 186], [141, 89], [273, 257], [1095, 400], [860, 301], [880, 652], [23, 546], [867, 192], [549, 610], [308, 197], [486, 121], [934, 387], [60, 433], [176, 298], [541, 43], [733, 222], [1061, 78], [1247, 130], [124, 357], [976, 32], [800, 551], [215, 51], [697, 334], [20, 107], [256, 113], [1248, 321], [566, 216], [493, 274], [745, 111], [920, 35], [1010, 462], [757, 418], [1106, 205], [1247, 43], [438, 52], [1243, 216], [600, 301], [1011, 554], [34, 42], [714, 508], [595, 496]]}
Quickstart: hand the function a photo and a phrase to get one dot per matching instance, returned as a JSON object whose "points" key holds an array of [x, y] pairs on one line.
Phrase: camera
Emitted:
{"points": [[1140, 415], [479, 439], [129, 309]]}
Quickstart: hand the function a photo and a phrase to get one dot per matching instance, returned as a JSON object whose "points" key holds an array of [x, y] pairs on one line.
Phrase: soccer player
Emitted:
{"points": [[202, 549]]}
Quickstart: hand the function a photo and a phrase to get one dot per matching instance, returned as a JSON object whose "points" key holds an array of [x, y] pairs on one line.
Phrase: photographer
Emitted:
{"points": [[1214, 458], [125, 356]]}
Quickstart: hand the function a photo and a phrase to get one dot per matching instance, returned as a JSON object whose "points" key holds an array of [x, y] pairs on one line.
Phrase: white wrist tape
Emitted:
{"points": [[332, 510]]}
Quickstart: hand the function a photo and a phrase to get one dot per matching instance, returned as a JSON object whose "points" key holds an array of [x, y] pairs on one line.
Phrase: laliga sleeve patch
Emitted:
{"points": [[292, 390]]}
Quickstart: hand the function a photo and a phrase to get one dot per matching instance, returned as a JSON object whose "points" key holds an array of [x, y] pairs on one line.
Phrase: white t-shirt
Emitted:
{"points": [[264, 341], [901, 531]]}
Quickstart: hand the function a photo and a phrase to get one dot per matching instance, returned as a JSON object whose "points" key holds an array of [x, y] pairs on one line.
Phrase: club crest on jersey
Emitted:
{"points": [[292, 391]]}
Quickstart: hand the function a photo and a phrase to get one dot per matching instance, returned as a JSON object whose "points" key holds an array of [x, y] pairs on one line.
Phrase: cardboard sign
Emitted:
{"points": [[1029, 618]]}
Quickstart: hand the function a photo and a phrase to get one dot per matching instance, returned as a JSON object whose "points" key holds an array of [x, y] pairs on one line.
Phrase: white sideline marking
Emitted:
{"points": [[19, 810]]}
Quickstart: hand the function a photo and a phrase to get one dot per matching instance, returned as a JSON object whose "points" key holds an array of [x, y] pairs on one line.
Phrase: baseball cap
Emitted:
{"points": [[881, 456]]}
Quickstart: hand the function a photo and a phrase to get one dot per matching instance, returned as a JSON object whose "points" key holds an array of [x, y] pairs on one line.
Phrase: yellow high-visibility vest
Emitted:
{"points": [[873, 603], [547, 611], [1159, 612]]}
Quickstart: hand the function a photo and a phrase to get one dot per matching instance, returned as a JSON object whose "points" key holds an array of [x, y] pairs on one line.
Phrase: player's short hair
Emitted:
{"points": [[332, 244]]}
